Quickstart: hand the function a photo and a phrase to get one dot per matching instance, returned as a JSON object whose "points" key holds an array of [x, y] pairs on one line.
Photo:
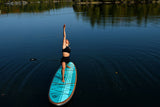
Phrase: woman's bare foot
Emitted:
{"points": [[63, 80]]}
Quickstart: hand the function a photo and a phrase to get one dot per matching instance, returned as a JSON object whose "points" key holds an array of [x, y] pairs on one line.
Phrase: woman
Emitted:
{"points": [[65, 52]]}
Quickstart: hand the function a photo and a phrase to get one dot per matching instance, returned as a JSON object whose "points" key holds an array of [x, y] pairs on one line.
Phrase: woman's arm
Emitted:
{"points": [[64, 37]]}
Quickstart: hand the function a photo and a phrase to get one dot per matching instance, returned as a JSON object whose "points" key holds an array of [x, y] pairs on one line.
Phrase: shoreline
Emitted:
{"points": [[29, 2], [118, 2], [82, 3]]}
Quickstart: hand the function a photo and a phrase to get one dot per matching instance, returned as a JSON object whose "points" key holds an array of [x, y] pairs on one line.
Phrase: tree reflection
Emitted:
{"points": [[101, 15], [34, 7], [116, 13]]}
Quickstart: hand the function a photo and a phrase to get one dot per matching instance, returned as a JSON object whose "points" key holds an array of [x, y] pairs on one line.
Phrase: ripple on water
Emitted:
{"points": [[150, 60], [109, 74], [100, 72], [141, 77], [18, 76], [121, 75], [9, 79], [4, 65], [27, 76]]}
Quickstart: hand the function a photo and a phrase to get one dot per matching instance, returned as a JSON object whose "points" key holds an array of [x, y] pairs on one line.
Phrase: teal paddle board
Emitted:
{"points": [[61, 92]]}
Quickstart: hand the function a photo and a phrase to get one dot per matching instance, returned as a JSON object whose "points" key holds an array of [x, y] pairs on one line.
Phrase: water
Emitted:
{"points": [[116, 49]]}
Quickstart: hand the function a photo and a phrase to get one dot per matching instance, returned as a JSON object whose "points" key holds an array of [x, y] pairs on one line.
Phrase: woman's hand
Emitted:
{"points": [[64, 26]]}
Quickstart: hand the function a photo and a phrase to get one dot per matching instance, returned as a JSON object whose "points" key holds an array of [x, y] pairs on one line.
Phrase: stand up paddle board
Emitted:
{"points": [[61, 92]]}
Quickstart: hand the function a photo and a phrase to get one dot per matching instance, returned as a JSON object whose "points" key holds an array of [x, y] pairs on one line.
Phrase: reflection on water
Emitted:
{"points": [[117, 63], [34, 7], [101, 15], [118, 14]]}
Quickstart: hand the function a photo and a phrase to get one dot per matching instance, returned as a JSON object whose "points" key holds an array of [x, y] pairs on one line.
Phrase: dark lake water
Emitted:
{"points": [[116, 49]]}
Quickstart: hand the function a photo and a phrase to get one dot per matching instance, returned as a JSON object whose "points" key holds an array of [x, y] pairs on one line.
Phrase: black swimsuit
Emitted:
{"points": [[66, 59], [67, 49]]}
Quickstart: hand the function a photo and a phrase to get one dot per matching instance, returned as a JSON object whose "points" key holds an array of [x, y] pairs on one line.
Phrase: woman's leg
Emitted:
{"points": [[68, 60], [63, 70]]}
